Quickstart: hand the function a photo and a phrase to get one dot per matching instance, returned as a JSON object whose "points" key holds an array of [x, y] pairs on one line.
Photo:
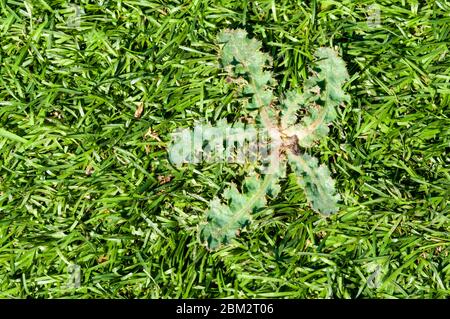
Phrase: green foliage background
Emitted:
{"points": [[83, 181]]}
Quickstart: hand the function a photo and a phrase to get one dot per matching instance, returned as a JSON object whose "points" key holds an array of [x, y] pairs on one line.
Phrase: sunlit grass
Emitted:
{"points": [[83, 181]]}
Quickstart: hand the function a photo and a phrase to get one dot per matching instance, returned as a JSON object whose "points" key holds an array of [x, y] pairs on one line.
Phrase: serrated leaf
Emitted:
{"points": [[243, 57], [317, 183], [322, 93], [224, 221], [291, 104]]}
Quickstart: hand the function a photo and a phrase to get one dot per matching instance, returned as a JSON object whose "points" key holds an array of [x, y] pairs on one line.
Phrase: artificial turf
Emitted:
{"points": [[91, 90]]}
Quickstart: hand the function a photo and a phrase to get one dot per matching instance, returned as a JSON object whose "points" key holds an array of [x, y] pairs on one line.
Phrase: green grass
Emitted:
{"points": [[82, 179]]}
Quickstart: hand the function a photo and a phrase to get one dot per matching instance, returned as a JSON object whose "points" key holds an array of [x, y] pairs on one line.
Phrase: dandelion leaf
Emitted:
{"points": [[316, 182]]}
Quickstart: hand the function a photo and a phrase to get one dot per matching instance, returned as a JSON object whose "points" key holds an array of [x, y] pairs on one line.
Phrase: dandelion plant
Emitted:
{"points": [[291, 122]]}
